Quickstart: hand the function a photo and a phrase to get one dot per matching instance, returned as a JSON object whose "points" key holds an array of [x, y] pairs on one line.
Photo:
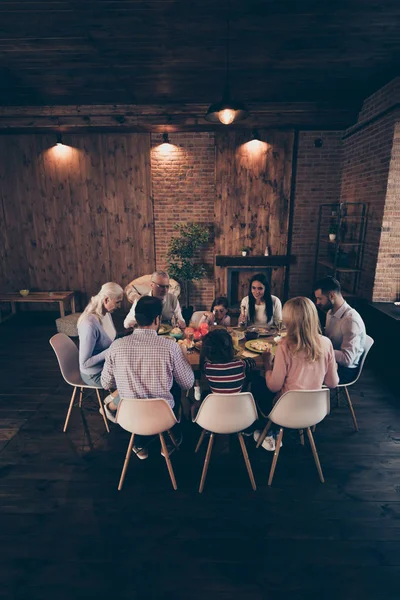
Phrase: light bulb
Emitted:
{"points": [[226, 116]]}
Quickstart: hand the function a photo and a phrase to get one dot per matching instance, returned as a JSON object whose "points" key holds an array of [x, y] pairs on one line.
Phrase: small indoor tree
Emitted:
{"points": [[182, 263]]}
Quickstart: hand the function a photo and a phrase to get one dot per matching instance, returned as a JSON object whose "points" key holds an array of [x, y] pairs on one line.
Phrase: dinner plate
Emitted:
{"points": [[266, 331], [256, 345], [240, 334], [163, 329]]}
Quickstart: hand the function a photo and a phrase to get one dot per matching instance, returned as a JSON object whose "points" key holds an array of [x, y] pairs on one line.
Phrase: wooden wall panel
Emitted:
{"points": [[253, 194], [76, 216]]}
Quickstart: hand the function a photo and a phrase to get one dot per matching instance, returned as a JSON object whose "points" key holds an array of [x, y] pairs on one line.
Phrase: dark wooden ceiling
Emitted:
{"points": [[60, 52]]}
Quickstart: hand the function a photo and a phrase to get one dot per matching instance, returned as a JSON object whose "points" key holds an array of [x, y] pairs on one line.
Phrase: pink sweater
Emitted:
{"points": [[294, 373]]}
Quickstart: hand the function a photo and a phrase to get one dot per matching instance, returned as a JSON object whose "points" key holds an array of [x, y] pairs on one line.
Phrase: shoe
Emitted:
{"points": [[269, 441], [141, 453]]}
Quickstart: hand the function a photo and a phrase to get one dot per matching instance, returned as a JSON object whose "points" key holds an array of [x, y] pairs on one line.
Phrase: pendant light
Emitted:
{"points": [[227, 111]]}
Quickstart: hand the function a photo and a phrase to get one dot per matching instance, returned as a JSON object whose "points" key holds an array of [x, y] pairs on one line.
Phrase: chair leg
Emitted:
{"points": [[353, 414], [173, 439], [80, 398], [337, 397], [247, 461], [263, 434], [301, 432], [314, 451], [69, 409], [102, 411], [206, 463], [126, 462], [168, 461], [314, 427], [276, 455], [201, 438]]}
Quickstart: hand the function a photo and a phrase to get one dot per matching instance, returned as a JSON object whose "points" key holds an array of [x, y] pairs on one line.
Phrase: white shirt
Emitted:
{"points": [[260, 315], [346, 330], [130, 319]]}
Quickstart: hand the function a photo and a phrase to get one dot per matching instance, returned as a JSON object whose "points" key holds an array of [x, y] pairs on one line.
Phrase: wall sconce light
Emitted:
{"points": [[59, 141]]}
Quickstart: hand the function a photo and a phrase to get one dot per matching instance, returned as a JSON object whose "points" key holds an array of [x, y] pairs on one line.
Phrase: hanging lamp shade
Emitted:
{"points": [[226, 111]]}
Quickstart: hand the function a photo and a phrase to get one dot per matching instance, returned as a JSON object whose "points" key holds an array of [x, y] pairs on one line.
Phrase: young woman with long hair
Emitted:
{"points": [[259, 307], [304, 359]]}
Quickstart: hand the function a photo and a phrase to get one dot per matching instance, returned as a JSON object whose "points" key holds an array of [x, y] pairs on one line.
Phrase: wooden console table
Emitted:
{"points": [[61, 297]]}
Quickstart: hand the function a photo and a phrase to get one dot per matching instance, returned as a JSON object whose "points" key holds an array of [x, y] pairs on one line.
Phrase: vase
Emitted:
{"points": [[244, 253], [332, 237]]}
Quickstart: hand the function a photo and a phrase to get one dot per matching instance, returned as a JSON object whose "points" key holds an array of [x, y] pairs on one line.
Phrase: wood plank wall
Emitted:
{"points": [[75, 216], [253, 194]]}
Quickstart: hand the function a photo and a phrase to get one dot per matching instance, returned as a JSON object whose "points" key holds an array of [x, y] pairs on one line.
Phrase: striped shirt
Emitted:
{"points": [[226, 378], [144, 365]]}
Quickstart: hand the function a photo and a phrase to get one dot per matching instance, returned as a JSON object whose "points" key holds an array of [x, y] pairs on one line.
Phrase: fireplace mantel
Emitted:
{"points": [[255, 261]]}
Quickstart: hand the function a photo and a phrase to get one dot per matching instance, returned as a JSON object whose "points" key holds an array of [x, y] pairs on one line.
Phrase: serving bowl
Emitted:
{"points": [[24, 292], [177, 336]]}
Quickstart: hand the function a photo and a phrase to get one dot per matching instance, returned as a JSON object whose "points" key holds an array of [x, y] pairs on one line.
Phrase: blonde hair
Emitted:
{"points": [[303, 330], [95, 306]]}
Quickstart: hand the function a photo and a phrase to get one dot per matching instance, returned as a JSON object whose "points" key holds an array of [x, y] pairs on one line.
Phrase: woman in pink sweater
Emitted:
{"points": [[304, 359]]}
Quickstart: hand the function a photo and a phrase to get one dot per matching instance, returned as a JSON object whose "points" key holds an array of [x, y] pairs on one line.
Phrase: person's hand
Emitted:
{"points": [[267, 359], [210, 317], [181, 324], [183, 348]]}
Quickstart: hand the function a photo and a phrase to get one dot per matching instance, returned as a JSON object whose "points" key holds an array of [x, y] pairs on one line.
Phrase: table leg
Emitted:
{"points": [[62, 308], [73, 308]]}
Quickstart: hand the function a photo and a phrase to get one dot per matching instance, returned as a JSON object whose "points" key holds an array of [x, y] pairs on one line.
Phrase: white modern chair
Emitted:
{"points": [[68, 359], [300, 409], [226, 414], [148, 416], [369, 342]]}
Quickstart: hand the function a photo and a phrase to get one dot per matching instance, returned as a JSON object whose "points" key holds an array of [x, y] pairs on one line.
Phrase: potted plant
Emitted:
{"points": [[182, 262], [332, 233], [245, 250]]}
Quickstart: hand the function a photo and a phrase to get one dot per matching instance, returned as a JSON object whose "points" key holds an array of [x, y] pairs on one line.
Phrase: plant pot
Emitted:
{"points": [[187, 312], [332, 237], [244, 253]]}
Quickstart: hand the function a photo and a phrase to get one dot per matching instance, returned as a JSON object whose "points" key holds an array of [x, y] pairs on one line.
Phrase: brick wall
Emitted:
{"points": [[387, 276], [366, 162], [317, 182], [183, 187]]}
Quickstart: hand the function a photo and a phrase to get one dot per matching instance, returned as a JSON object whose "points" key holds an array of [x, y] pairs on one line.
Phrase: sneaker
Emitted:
{"points": [[141, 453], [269, 441]]}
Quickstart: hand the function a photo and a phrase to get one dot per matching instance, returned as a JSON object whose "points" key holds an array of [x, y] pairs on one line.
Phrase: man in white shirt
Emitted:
{"points": [[344, 327], [171, 307]]}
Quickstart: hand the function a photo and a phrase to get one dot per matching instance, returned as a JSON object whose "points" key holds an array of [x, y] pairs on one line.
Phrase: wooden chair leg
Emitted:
{"points": [[102, 411], [301, 432], [69, 409], [353, 414], [276, 455], [247, 461], [168, 461], [314, 427], [201, 438], [315, 454], [126, 462], [263, 434], [206, 463], [173, 439], [80, 398]]}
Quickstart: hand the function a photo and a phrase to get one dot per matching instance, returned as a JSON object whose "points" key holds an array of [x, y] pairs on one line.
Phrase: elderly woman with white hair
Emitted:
{"points": [[96, 334]]}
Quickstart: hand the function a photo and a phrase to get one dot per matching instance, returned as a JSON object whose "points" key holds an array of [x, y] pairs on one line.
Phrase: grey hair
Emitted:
{"points": [[95, 306], [159, 274]]}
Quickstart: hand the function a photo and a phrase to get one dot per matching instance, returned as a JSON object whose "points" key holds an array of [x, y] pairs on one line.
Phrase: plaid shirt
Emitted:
{"points": [[144, 365]]}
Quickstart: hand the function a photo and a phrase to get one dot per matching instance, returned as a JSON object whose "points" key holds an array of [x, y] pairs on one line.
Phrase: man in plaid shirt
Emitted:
{"points": [[144, 364]]}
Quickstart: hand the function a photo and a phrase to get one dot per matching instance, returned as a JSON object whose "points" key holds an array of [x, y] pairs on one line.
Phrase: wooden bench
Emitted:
{"points": [[61, 297]]}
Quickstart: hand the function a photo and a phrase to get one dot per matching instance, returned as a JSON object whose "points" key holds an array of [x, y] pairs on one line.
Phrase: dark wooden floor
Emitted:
{"points": [[66, 532]]}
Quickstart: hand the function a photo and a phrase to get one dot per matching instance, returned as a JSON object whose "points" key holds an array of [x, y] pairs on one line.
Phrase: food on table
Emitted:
{"points": [[197, 335], [204, 328], [175, 330], [261, 346], [186, 342]]}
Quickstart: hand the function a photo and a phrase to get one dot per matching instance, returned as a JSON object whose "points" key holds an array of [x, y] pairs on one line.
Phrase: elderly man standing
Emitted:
{"points": [[344, 327], [170, 303], [144, 364]]}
